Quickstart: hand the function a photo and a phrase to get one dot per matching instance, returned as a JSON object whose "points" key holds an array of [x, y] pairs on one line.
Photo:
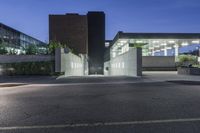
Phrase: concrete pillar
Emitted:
{"points": [[58, 52], [139, 61], [176, 52], [165, 51], [153, 53]]}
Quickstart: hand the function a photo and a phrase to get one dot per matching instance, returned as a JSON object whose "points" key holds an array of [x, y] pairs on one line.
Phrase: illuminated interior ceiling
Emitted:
{"points": [[151, 46], [152, 43]]}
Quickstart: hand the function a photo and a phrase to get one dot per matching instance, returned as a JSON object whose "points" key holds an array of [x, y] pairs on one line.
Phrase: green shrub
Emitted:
{"points": [[185, 60], [31, 50], [137, 45], [29, 68], [3, 49], [12, 52], [52, 47]]}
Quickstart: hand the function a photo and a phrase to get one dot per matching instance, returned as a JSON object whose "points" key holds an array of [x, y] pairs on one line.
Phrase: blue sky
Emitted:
{"points": [[31, 16]]}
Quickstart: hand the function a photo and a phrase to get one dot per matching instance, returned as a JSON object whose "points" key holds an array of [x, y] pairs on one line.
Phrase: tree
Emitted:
{"points": [[187, 60], [52, 47], [3, 49], [12, 51], [31, 50]]}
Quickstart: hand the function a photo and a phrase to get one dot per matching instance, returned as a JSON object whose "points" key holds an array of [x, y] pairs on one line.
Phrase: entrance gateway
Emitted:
{"points": [[126, 64], [85, 35]]}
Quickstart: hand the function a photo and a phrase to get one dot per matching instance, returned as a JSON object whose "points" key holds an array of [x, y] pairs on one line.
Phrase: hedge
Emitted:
{"points": [[28, 68]]}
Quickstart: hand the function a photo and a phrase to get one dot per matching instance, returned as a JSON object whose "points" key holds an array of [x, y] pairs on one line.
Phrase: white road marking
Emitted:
{"points": [[79, 84], [101, 124], [67, 84]]}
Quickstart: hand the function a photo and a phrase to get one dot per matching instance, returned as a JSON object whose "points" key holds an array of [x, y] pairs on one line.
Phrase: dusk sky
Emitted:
{"points": [[31, 16]]}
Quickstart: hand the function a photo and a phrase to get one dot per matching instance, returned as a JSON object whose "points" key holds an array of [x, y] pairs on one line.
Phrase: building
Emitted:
{"points": [[159, 50], [84, 34], [70, 30], [157, 44], [96, 42], [18, 41]]}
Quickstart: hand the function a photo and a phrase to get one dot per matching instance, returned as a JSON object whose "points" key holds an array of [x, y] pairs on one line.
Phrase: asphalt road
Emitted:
{"points": [[101, 107]]}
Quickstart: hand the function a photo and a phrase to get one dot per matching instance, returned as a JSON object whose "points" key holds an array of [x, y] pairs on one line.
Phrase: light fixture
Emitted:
{"points": [[171, 41], [155, 41], [168, 47], [164, 44], [196, 42], [139, 42], [184, 44], [123, 41]]}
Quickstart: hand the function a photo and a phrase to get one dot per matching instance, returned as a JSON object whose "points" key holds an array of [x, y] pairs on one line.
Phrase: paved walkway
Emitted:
{"points": [[153, 76]]}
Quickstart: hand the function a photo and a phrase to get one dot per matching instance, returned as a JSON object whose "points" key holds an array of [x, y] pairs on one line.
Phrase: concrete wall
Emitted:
{"points": [[70, 63], [189, 71], [127, 64], [157, 62], [107, 68], [25, 58]]}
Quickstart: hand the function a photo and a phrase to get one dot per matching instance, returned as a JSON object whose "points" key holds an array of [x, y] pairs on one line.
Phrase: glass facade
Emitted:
{"points": [[157, 44], [18, 40], [9, 36]]}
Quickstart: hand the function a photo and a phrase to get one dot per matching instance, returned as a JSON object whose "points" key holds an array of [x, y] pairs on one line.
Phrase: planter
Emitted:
{"points": [[189, 71]]}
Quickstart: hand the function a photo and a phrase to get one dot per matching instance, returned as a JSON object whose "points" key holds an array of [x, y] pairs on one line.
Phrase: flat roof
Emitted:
{"points": [[19, 32], [122, 35]]}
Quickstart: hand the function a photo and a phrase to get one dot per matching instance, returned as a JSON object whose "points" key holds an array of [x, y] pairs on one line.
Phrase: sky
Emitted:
{"points": [[31, 16]]}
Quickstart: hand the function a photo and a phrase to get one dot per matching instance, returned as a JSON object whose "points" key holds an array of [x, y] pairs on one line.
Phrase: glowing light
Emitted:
{"points": [[164, 44], [155, 41], [168, 47], [171, 41], [185, 44], [139, 42], [197, 42], [123, 41]]}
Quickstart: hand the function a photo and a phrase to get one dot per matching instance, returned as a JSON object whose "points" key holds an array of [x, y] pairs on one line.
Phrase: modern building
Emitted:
{"points": [[84, 34], [70, 30], [159, 50], [157, 44], [18, 41], [96, 42]]}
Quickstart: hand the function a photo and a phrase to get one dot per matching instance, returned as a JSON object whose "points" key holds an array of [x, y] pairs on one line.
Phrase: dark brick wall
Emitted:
{"points": [[70, 29]]}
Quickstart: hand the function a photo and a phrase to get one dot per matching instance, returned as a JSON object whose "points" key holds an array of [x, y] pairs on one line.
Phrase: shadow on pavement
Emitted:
{"points": [[185, 82]]}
